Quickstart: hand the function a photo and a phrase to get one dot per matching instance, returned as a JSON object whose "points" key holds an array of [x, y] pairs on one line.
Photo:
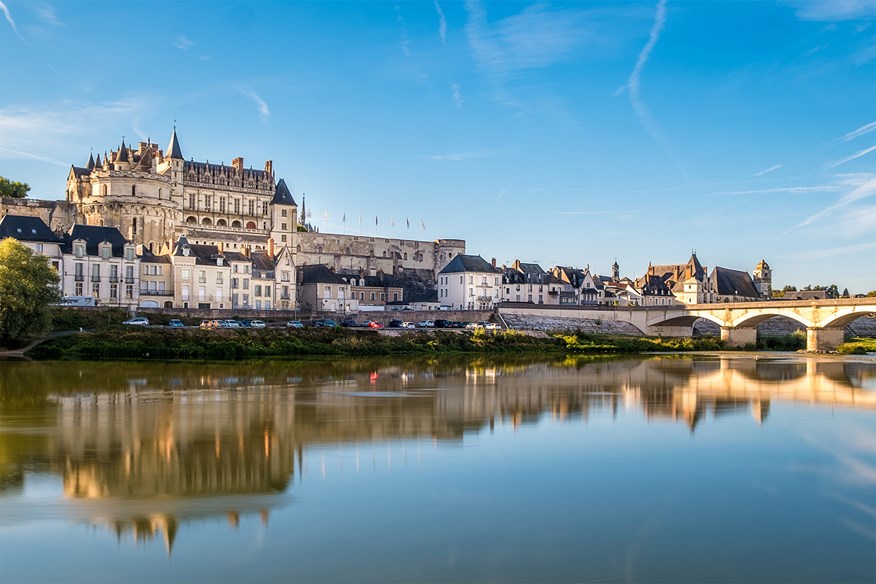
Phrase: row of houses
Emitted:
{"points": [[470, 282], [97, 262]]}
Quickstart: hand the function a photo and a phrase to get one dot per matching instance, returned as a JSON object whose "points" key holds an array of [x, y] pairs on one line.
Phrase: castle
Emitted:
{"points": [[155, 197]]}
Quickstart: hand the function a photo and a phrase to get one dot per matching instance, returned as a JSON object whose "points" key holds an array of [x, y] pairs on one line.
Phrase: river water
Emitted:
{"points": [[713, 468]]}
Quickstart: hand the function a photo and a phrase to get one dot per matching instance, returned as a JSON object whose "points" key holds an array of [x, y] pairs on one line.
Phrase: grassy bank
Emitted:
{"points": [[233, 344], [858, 346]]}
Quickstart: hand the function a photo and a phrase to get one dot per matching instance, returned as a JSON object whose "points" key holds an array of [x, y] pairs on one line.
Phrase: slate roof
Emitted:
{"points": [[734, 282], [79, 172], [262, 261], [25, 228], [94, 235], [469, 263], [123, 153], [282, 196], [173, 149], [150, 258], [319, 274]]}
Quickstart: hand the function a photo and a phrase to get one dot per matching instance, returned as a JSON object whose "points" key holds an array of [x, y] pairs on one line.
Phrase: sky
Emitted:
{"points": [[572, 133]]}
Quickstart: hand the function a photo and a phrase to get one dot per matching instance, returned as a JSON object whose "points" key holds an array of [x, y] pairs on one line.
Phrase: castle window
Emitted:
{"points": [[283, 213], [250, 225], [191, 220], [191, 201], [265, 208], [133, 190], [103, 190]]}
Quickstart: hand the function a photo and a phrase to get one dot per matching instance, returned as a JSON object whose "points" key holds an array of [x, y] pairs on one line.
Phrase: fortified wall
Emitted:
{"points": [[58, 215]]}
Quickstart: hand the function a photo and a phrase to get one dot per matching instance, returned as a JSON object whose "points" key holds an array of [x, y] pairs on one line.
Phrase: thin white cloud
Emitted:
{"points": [[442, 24], [456, 156], [11, 22], [457, 95], [865, 129], [767, 170], [784, 190], [57, 131], [182, 42], [405, 41], [854, 156], [862, 187], [633, 84], [504, 190], [835, 10], [47, 14], [262, 106], [830, 252]]}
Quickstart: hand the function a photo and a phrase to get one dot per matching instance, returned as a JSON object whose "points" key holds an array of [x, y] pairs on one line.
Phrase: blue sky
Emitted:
{"points": [[570, 133]]}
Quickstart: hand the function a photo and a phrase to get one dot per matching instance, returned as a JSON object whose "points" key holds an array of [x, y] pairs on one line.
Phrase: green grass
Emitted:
{"points": [[858, 346]]}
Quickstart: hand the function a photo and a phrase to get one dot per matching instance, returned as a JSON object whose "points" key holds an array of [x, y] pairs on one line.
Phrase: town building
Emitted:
{"points": [[469, 282]]}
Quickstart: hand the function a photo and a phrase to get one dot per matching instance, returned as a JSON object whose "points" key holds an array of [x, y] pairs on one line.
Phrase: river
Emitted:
{"points": [[709, 468]]}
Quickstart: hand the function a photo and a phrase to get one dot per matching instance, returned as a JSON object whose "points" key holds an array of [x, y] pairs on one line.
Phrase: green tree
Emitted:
{"points": [[832, 291], [845, 292], [11, 188], [28, 286]]}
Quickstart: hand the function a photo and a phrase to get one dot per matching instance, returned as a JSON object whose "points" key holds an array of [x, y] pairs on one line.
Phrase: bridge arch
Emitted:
{"points": [[752, 319], [843, 316]]}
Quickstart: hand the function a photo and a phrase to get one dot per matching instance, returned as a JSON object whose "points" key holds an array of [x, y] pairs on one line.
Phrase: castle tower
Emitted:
{"points": [[763, 278], [615, 271], [284, 217]]}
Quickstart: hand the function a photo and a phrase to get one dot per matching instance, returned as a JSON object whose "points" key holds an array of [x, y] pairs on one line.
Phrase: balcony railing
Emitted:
{"points": [[79, 277], [146, 292], [129, 279], [114, 279], [95, 278]]}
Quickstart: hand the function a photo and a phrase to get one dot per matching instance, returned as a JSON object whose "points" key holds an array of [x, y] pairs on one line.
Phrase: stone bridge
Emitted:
{"points": [[824, 319]]}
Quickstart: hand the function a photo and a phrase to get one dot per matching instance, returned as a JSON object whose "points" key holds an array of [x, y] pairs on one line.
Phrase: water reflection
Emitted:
{"points": [[144, 448]]}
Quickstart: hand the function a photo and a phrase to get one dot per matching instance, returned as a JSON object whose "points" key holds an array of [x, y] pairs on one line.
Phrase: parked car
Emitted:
{"points": [[209, 324], [442, 323], [137, 321], [492, 326], [349, 322], [425, 324], [230, 323], [294, 324], [374, 324], [408, 325], [175, 322], [257, 324], [394, 323], [470, 326]]}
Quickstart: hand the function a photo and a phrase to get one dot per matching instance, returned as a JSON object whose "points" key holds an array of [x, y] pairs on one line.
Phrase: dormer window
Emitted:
{"points": [[104, 253], [129, 254], [79, 250]]}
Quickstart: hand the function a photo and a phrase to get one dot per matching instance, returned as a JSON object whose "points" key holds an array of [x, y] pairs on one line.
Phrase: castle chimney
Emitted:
{"points": [[237, 163], [221, 247], [245, 250], [269, 167], [271, 242], [493, 262]]}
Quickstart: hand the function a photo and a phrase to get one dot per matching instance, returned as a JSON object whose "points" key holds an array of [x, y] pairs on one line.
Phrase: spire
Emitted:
{"points": [[90, 164], [123, 153], [97, 162], [173, 148], [282, 196]]}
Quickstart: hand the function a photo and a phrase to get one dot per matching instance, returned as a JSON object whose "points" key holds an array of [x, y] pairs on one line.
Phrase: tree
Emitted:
{"points": [[832, 291], [28, 286], [11, 188], [845, 292]]}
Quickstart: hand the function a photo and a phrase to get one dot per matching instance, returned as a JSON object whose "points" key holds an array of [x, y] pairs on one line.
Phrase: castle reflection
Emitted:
{"points": [[144, 448]]}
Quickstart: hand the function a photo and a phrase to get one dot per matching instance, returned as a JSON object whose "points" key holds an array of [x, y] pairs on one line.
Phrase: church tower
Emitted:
{"points": [[763, 278]]}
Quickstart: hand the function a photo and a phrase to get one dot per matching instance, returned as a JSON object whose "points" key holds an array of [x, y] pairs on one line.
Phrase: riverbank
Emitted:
{"points": [[234, 344]]}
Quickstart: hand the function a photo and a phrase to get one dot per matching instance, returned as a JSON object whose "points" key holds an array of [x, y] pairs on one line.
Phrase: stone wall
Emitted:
{"points": [[587, 325], [58, 215]]}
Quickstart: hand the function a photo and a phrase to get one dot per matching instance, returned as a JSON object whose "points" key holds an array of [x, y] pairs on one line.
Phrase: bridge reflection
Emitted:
{"points": [[143, 449]]}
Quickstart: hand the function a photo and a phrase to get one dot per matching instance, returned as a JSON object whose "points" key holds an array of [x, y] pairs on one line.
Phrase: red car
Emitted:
{"points": [[374, 325]]}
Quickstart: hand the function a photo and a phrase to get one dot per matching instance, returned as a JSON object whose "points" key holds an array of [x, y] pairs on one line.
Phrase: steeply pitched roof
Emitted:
{"points": [[25, 228], [319, 274], [90, 164], [94, 235], [469, 263], [173, 149], [123, 153], [282, 196], [734, 282]]}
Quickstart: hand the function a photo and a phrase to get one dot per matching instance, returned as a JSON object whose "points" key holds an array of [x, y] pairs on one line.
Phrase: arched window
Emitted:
{"points": [[236, 224], [103, 190], [206, 221], [250, 225], [221, 223], [191, 220]]}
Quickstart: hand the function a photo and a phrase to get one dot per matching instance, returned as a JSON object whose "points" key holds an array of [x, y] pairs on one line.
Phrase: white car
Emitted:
{"points": [[257, 323], [408, 325], [230, 323], [137, 321], [492, 326], [425, 324]]}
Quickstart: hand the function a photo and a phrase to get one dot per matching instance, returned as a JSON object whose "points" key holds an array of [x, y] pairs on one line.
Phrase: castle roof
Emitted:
{"points": [[282, 196], [90, 164], [123, 153], [173, 148], [469, 263], [25, 228]]}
